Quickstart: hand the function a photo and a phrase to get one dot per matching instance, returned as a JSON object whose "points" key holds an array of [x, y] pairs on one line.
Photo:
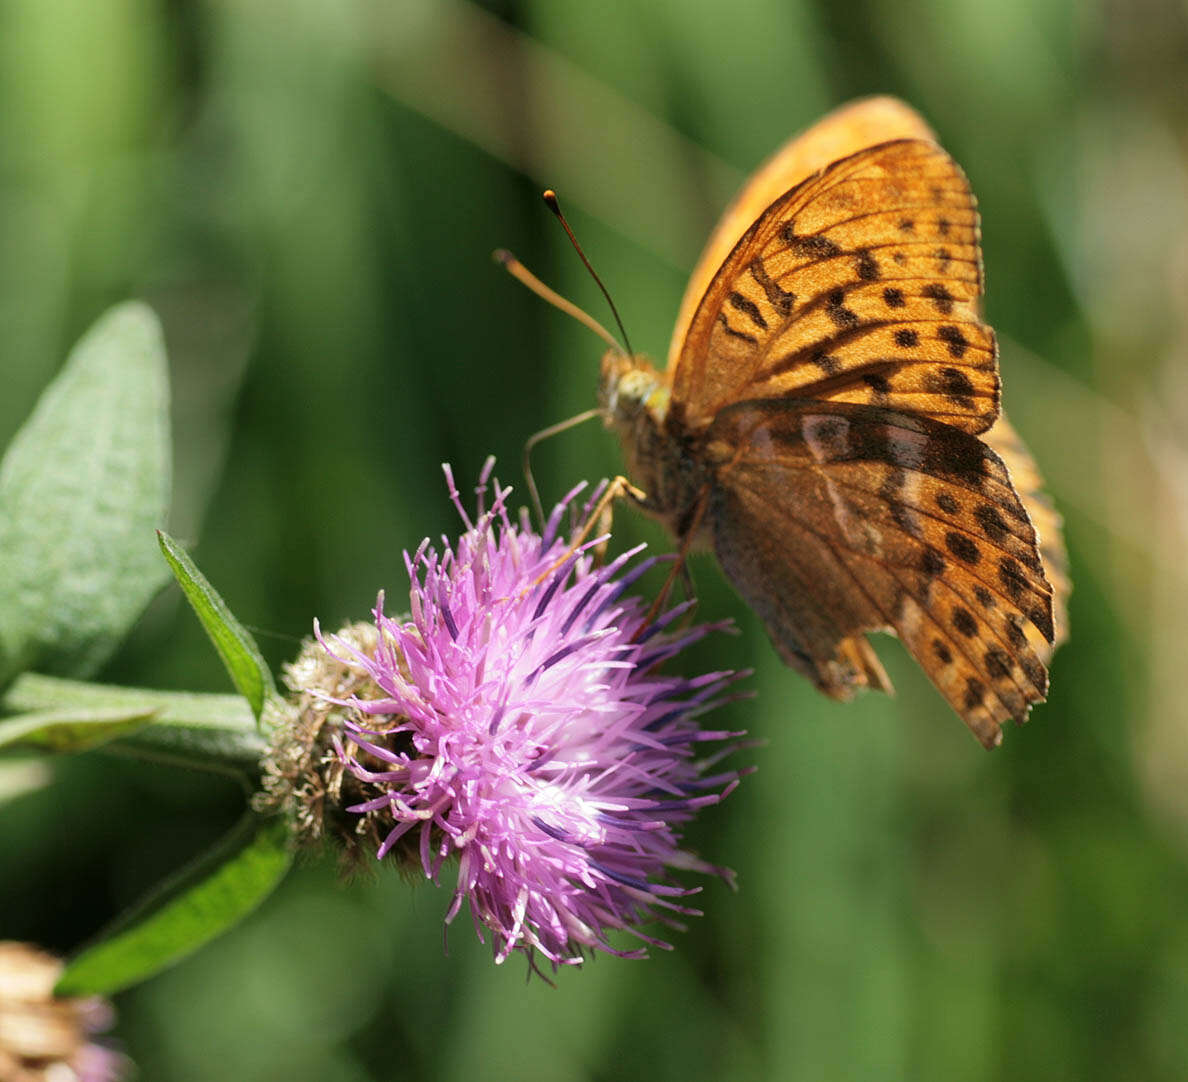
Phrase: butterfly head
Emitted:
{"points": [[630, 387], [635, 399]]}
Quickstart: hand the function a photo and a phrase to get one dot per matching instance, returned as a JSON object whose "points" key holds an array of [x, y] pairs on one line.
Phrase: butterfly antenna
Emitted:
{"points": [[550, 198], [522, 274]]}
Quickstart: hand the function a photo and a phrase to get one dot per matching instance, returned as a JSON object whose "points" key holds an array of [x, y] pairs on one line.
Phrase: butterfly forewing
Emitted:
{"points": [[860, 285], [836, 519], [841, 133]]}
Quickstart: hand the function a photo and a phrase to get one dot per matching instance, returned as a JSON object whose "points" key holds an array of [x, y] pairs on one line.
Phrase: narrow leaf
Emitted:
{"points": [[82, 486], [241, 657], [198, 904], [70, 730], [190, 729]]}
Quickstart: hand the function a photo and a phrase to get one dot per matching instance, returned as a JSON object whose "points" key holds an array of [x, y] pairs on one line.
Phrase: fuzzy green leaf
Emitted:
{"points": [[189, 729], [82, 486], [70, 730], [186, 912], [241, 657]]}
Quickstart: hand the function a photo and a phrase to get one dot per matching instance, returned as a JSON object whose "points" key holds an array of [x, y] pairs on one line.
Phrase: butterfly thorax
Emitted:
{"points": [[635, 399]]}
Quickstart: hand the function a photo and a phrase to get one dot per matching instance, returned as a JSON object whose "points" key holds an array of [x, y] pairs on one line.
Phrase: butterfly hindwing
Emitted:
{"points": [[859, 285], [1025, 476], [834, 519]]}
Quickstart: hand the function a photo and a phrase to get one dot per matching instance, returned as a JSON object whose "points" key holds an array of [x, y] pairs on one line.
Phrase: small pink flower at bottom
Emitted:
{"points": [[528, 729], [47, 1038]]}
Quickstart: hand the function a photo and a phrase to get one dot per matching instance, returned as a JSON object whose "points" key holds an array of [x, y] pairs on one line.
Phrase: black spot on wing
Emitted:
{"points": [[960, 457], [932, 563], [1034, 670], [962, 547], [1011, 575], [954, 384], [749, 338], [866, 266], [939, 296], [991, 520], [780, 299], [809, 245], [835, 308], [964, 622], [828, 364], [975, 693], [955, 340], [749, 308], [998, 665]]}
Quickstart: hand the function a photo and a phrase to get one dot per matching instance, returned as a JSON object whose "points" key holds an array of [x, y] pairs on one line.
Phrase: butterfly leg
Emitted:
{"points": [[690, 593], [599, 514], [687, 587], [540, 437], [605, 522], [679, 565]]}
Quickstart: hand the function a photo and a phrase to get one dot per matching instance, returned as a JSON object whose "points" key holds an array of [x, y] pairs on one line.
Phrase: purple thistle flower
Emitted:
{"points": [[526, 729]]}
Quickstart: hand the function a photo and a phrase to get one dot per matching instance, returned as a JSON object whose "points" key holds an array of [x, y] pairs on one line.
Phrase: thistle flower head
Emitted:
{"points": [[523, 724]]}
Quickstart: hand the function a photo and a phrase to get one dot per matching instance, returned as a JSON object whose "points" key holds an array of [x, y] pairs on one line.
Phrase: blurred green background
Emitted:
{"points": [[308, 193]]}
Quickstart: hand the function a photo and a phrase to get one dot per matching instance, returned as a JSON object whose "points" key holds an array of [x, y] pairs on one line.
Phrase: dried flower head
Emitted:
{"points": [[304, 775], [44, 1038], [523, 724]]}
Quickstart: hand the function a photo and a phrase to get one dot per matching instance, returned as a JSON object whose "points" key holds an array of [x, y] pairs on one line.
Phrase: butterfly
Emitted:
{"points": [[829, 424]]}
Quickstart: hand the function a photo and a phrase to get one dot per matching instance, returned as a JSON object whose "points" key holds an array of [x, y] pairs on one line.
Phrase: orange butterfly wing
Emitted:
{"points": [[837, 371], [1025, 475], [835, 519], [859, 285], [845, 130]]}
